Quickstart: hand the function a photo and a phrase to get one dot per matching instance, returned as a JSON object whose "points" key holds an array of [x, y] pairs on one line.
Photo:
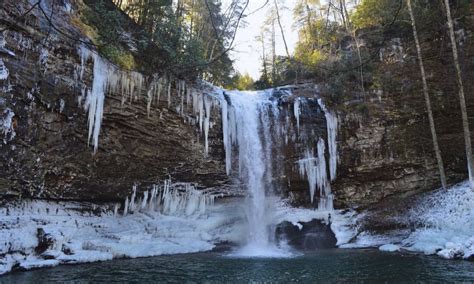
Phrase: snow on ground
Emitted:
{"points": [[80, 236], [443, 224]]}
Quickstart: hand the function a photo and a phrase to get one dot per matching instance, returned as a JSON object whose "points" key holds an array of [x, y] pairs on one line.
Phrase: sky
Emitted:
{"points": [[247, 51]]}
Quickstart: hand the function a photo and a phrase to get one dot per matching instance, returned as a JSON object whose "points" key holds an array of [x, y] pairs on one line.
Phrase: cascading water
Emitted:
{"points": [[247, 122], [252, 125]]}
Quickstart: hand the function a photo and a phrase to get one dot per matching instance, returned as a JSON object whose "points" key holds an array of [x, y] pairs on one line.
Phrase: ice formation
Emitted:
{"points": [[2, 40], [4, 73], [6, 125], [226, 138], [62, 105], [95, 101], [441, 223], [3, 45], [202, 104], [84, 54], [106, 78], [43, 57], [207, 117], [154, 91], [129, 84], [169, 93], [331, 120], [445, 224], [297, 112], [316, 172], [170, 199], [314, 168], [80, 236], [389, 248]]}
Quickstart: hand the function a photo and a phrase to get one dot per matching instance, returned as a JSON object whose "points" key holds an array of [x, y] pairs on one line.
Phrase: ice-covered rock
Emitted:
{"points": [[71, 233], [389, 248]]}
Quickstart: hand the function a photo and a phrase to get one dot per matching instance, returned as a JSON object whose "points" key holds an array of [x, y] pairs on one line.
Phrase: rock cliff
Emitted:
{"points": [[384, 144]]}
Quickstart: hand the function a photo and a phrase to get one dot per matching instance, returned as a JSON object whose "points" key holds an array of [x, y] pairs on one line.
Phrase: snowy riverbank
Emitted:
{"points": [[43, 234], [441, 223]]}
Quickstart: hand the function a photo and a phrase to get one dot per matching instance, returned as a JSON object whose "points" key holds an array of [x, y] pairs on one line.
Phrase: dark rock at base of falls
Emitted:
{"points": [[45, 241], [311, 235]]}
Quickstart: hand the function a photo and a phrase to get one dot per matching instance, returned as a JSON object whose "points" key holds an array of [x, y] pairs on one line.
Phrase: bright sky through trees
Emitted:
{"points": [[247, 51]]}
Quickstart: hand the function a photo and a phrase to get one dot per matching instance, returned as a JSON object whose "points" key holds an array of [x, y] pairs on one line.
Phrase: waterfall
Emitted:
{"points": [[247, 125], [255, 129]]}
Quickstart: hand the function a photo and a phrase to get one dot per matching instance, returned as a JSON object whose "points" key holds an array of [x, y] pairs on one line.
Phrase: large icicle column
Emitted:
{"points": [[313, 166]]}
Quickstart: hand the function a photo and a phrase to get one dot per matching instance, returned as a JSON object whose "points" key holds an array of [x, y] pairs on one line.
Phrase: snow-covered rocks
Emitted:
{"points": [[43, 234], [442, 224]]}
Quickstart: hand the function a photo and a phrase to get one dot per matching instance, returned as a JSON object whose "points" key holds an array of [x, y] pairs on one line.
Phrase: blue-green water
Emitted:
{"points": [[325, 266]]}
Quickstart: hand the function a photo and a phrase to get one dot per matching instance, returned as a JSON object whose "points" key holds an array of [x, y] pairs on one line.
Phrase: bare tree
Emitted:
{"points": [[439, 158], [348, 25], [462, 99], [281, 27], [261, 39]]}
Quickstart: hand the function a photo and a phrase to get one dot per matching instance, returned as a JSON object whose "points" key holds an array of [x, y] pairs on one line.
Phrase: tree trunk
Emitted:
{"points": [[351, 30], [264, 58], [281, 28], [439, 158], [273, 54], [343, 16], [462, 99]]}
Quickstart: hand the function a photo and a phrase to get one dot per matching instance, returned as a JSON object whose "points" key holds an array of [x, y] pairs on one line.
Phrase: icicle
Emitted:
{"points": [[149, 96], [6, 125], [226, 137], [158, 92], [331, 120], [132, 205], [322, 177], [178, 199], [169, 93], [307, 167], [207, 105], [96, 104], [315, 170], [4, 73], [116, 208], [297, 112], [188, 98], [144, 201], [125, 208], [84, 54], [152, 200], [106, 78]]}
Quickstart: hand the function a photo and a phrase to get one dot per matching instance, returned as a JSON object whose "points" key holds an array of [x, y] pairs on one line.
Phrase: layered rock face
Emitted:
{"points": [[383, 141], [45, 151]]}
